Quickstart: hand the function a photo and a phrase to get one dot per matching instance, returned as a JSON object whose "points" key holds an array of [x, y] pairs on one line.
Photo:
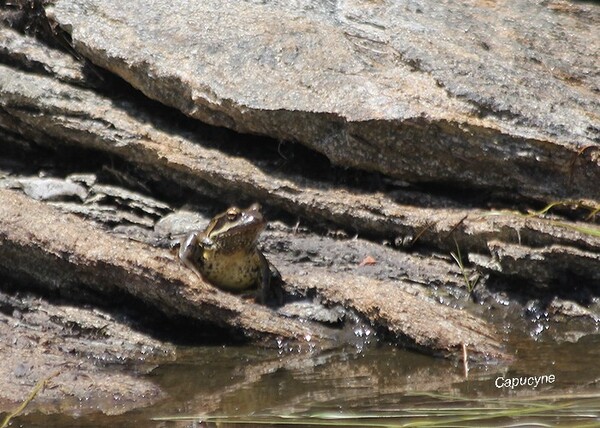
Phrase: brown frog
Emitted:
{"points": [[226, 253]]}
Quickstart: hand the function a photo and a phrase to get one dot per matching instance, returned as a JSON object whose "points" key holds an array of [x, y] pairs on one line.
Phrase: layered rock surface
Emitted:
{"points": [[470, 93]]}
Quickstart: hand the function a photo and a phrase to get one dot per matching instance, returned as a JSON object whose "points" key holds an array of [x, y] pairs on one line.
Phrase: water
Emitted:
{"points": [[380, 386]]}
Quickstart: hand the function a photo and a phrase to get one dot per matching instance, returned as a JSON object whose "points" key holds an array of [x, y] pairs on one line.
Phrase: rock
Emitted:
{"points": [[131, 200], [34, 56], [570, 309], [88, 180], [31, 103], [80, 258], [554, 265], [179, 223], [71, 347], [455, 92], [415, 321], [52, 189], [108, 215], [112, 205], [136, 233], [313, 311]]}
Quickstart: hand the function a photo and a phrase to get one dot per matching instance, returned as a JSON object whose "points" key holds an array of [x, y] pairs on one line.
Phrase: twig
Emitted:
{"points": [[465, 360], [422, 232], [36, 389], [456, 226]]}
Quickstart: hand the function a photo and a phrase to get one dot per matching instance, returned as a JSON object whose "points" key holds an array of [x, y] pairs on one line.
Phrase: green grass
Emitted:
{"points": [[585, 230], [458, 259], [438, 410], [590, 206]]}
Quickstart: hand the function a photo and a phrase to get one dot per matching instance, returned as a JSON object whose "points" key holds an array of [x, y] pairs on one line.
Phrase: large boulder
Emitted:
{"points": [[470, 93]]}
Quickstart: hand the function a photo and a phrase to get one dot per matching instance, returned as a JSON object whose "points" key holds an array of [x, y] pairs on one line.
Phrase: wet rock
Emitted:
{"points": [[570, 309], [71, 347], [410, 319], [314, 311], [456, 92]]}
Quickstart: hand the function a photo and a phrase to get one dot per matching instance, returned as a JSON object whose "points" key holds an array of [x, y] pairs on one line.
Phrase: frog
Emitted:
{"points": [[226, 253]]}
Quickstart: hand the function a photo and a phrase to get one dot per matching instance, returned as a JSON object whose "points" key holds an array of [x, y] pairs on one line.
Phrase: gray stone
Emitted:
{"points": [[314, 311], [125, 198], [460, 92], [88, 180], [107, 215], [179, 223], [33, 55], [52, 189]]}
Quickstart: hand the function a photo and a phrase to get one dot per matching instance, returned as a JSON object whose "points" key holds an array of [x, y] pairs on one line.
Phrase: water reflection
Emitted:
{"points": [[388, 384], [246, 380], [384, 379]]}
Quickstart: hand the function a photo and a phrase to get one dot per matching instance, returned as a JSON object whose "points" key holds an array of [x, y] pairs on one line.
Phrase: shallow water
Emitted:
{"points": [[380, 386]]}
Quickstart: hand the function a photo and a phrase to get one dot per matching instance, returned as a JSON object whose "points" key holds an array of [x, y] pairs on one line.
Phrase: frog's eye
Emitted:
{"points": [[233, 213]]}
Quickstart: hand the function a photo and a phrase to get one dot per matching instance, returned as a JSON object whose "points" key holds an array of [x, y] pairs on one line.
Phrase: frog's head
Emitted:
{"points": [[235, 229]]}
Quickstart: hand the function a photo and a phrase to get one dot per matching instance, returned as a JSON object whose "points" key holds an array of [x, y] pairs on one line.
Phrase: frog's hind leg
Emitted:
{"points": [[270, 287]]}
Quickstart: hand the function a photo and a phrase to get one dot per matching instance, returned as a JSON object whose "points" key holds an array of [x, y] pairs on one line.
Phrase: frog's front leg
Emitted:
{"points": [[190, 252]]}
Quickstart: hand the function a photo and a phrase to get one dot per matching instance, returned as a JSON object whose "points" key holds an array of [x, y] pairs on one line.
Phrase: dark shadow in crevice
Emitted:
{"points": [[569, 287], [122, 309]]}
